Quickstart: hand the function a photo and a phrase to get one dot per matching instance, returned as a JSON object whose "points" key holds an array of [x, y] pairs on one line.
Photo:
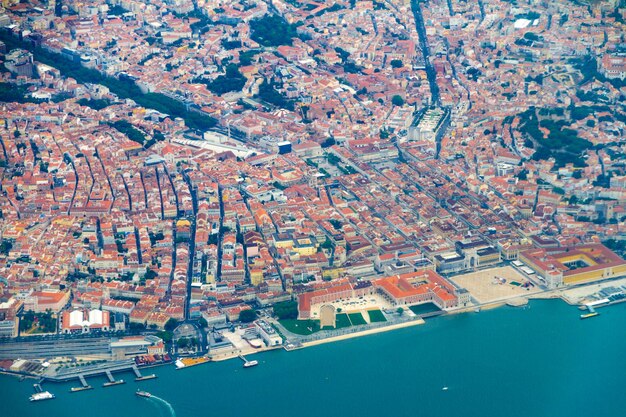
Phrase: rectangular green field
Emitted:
{"points": [[301, 327], [357, 319], [343, 321], [424, 308], [376, 316]]}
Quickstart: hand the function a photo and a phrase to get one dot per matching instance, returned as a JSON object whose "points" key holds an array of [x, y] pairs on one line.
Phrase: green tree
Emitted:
{"points": [[286, 310], [247, 316], [94, 103], [396, 63], [397, 101], [166, 336], [171, 324], [135, 327], [232, 80], [328, 142], [272, 30], [327, 244], [336, 223], [268, 92], [6, 246], [183, 342]]}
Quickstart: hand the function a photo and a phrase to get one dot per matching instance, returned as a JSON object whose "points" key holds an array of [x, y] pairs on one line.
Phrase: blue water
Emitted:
{"points": [[533, 362]]}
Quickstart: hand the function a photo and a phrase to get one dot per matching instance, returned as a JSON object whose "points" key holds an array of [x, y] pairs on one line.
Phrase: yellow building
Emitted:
{"points": [[256, 276], [332, 273], [283, 241], [575, 264], [305, 246]]}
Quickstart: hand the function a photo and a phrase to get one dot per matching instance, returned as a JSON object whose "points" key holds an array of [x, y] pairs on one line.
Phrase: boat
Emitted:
{"points": [[444, 388], [40, 396], [250, 364], [179, 364], [589, 315], [143, 394]]}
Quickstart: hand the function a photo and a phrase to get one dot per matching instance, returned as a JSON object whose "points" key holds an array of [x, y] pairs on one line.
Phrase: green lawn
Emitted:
{"points": [[357, 319], [301, 327], [307, 327], [342, 321], [376, 316], [424, 308]]}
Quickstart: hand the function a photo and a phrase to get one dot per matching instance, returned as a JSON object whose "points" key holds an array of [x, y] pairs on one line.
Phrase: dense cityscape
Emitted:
{"points": [[192, 181]]}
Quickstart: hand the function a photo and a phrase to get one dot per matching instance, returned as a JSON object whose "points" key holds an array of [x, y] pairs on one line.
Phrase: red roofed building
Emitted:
{"points": [[420, 287], [84, 321], [40, 301]]}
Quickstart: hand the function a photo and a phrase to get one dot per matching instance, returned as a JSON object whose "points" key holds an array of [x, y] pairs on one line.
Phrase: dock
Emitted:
{"points": [[112, 380], [107, 369], [139, 377], [247, 363], [68, 374], [84, 385]]}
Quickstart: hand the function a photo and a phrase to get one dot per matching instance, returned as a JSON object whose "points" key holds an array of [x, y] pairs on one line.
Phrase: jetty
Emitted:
{"points": [[107, 369], [112, 380], [247, 363], [139, 377], [84, 385]]}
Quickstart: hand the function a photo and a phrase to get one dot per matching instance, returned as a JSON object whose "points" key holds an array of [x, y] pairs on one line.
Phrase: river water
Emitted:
{"points": [[536, 361]]}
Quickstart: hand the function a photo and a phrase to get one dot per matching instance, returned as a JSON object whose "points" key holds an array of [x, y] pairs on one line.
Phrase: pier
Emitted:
{"points": [[68, 374], [139, 377], [106, 369], [112, 380], [84, 385], [247, 363]]}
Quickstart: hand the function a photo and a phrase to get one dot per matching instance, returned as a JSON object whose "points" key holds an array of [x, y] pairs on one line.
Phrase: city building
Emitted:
{"points": [[85, 321]]}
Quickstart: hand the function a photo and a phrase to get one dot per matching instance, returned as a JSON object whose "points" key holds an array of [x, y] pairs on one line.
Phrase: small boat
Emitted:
{"points": [[588, 315], [143, 394], [40, 396], [179, 364], [250, 364], [444, 388]]}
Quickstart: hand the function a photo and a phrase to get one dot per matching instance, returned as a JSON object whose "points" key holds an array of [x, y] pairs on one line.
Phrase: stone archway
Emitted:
{"points": [[328, 316]]}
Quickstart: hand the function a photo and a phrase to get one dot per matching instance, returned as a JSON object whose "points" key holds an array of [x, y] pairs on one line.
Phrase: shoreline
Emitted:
{"points": [[229, 356], [363, 333], [548, 295]]}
